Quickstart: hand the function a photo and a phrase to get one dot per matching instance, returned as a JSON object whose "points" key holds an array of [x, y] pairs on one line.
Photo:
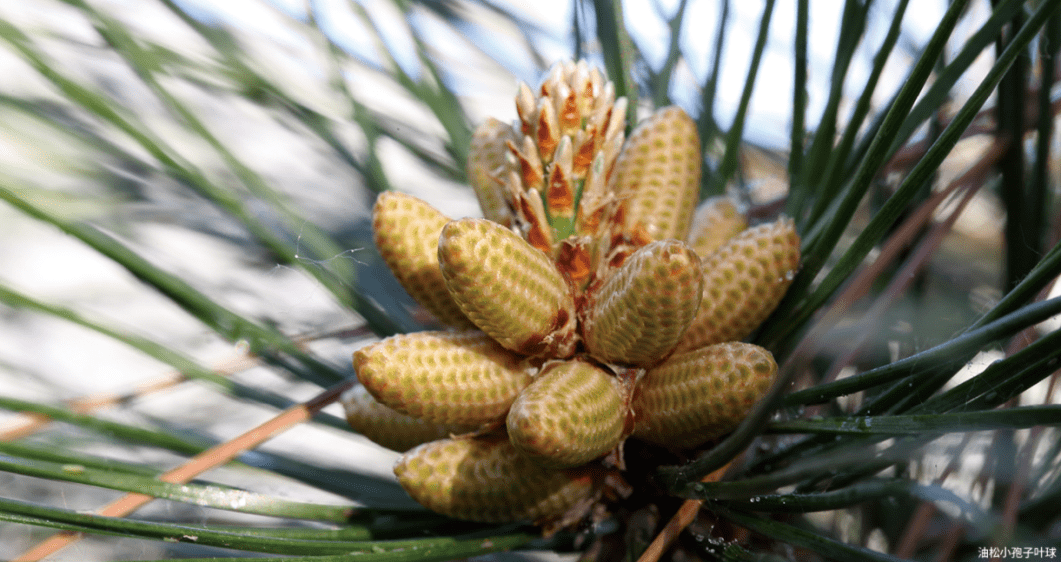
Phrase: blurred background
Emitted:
{"points": [[327, 103]]}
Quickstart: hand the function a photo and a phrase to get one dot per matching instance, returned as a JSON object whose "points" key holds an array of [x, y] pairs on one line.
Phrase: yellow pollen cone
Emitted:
{"points": [[572, 413], [443, 377], [509, 289], [390, 428], [406, 231], [657, 175], [743, 283], [485, 479], [643, 309], [697, 396], [717, 220]]}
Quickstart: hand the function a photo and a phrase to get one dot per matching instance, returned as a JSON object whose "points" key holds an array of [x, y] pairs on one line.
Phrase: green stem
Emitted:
{"points": [[735, 135], [706, 123], [832, 183], [852, 26], [796, 310], [1021, 245], [618, 53], [797, 189]]}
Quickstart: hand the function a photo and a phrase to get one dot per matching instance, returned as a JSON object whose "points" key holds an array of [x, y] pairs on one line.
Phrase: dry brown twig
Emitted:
{"points": [[29, 423], [685, 515], [216, 456], [197, 465]]}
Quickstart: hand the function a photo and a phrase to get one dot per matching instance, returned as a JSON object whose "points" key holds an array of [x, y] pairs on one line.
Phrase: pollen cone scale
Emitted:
{"points": [[509, 289], [485, 479]]}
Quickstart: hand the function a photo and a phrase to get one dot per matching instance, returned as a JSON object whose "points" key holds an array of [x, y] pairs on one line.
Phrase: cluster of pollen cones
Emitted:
{"points": [[595, 302]]}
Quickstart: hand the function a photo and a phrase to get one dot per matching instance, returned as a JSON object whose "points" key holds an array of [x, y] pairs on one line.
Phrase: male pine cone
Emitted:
{"points": [[591, 268]]}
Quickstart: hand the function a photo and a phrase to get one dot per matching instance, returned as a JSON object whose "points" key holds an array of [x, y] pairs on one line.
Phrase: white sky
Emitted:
{"points": [[769, 117]]}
